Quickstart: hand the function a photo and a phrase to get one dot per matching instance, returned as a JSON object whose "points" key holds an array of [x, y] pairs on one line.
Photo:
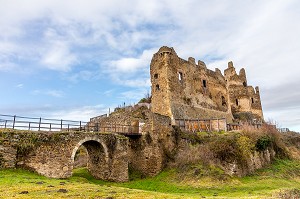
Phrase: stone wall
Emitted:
{"points": [[145, 152], [52, 153], [185, 90]]}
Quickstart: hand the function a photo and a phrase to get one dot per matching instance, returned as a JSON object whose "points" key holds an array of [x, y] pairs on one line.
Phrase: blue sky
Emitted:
{"points": [[75, 59]]}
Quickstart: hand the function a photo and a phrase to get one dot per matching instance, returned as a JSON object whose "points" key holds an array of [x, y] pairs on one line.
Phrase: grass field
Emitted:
{"points": [[280, 179]]}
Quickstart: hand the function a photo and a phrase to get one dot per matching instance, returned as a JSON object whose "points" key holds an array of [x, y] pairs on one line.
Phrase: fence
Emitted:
{"points": [[239, 126], [43, 124], [202, 125]]}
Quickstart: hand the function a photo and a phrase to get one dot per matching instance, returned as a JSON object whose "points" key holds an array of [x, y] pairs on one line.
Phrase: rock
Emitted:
{"points": [[62, 191], [24, 192]]}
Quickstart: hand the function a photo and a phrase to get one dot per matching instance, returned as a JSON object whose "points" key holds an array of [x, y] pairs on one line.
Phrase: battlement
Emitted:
{"points": [[182, 89]]}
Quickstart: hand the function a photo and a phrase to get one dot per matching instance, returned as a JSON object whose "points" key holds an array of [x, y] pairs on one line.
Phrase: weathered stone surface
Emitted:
{"points": [[183, 90], [52, 154]]}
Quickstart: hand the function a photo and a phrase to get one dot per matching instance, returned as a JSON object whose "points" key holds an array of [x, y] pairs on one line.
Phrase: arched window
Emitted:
{"points": [[252, 100]]}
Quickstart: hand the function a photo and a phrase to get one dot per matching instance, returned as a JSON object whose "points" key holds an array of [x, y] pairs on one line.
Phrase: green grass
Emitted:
{"points": [[281, 176]]}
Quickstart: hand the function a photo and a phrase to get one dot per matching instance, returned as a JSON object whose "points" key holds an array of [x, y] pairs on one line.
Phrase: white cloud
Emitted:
{"points": [[58, 57], [133, 95], [131, 64], [20, 86], [52, 93], [83, 113]]}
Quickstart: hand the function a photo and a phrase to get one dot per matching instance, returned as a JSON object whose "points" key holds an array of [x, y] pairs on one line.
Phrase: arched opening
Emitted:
{"points": [[92, 155], [252, 100], [155, 76]]}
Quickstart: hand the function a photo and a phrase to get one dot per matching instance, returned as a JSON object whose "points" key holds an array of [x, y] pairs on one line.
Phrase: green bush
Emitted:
{"points": [[263, 143]]}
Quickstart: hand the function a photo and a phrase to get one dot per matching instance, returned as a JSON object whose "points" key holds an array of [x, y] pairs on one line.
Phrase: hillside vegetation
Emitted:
{"points": [[185, 175]]}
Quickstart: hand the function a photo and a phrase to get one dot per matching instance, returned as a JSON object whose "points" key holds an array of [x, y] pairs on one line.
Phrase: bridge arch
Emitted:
{"points": [[98, 156]]}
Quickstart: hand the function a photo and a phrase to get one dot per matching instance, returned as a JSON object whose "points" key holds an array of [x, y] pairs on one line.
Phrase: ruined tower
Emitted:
{"points": [[182, 89]]}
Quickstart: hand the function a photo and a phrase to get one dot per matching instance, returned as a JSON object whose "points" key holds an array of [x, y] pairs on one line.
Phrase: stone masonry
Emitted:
{"points": [[182, 89], [52, 154]]}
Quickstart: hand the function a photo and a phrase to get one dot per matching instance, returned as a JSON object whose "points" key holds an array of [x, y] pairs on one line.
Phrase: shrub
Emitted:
{"points": [[263, 143]]}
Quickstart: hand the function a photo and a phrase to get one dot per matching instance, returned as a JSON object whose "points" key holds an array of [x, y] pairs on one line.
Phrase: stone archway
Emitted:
{"points": [[98, 157]]}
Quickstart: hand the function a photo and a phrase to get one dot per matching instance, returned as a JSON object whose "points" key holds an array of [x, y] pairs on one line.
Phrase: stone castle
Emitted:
{"points": [[147, 140], [182, 89]]}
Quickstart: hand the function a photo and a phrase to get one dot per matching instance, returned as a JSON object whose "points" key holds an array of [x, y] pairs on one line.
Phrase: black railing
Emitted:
{"points": [[44, 124]]}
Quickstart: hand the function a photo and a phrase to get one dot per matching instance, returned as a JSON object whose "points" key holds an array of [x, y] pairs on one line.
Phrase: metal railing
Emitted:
{"points": [[44, 124]]}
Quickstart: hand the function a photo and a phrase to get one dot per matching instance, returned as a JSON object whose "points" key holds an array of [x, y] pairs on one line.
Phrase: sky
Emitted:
{"points": [[75, 59]]}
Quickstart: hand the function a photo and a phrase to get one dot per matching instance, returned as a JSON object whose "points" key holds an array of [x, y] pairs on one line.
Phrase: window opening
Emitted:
{"points": [[157, 87], [237, 102], [223, 101], [204, 83], [155, 76], [252, 100], [180, 76], [245, 84]]}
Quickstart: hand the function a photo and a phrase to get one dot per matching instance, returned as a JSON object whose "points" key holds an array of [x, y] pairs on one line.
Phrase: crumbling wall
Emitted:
{"points": [[145, 151], [182, 89]]}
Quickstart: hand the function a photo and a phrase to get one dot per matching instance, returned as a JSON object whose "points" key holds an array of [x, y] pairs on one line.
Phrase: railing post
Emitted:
{"points": [[68, 127], [5, 123], [50, 126], [29, 126], [61, 124], [40, 123], [14, 122], [80, 126]]}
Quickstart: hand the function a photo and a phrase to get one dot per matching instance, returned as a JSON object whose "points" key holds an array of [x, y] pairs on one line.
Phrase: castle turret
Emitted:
{"points": [[159, 68]]}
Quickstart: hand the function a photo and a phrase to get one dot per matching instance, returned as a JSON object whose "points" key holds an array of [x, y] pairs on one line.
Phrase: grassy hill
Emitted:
{"points": [[279, 180]]}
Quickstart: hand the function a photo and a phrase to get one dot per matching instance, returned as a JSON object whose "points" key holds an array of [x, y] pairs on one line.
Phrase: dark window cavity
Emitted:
{"points": [[245, 84], [155, 76], [223, 101], [157, 87], [252, 100], [204, 83], [237, 102]]}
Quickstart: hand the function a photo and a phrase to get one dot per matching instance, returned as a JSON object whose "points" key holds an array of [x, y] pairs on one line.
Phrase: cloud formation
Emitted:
{"points": [[113, 41]]}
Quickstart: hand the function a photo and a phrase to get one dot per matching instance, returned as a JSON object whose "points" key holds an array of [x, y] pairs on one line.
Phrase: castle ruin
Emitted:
{"points": [[182, 89]]}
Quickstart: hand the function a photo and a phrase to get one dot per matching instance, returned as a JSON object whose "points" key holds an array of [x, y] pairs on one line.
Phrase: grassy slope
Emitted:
{"points": [[282, 175]]}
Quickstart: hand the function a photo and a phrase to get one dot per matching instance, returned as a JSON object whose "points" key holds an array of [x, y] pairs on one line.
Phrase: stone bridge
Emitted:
{"points": [[52, 153]]}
